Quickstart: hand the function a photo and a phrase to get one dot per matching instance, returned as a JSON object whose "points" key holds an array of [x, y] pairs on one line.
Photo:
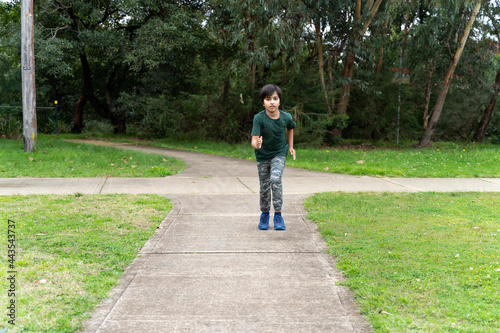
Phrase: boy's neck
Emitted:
{"points": [[273, 115]]}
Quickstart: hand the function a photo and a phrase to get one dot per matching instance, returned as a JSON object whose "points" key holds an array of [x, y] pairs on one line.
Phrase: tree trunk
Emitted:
{"points": [[407, 31], [331, 79], [78, 123], [381, 53], [119, 123], [252, 40], [346, 83], [428, 92], [225, 89], [105, 110], [372, 8], [348, 68], [488, 111], [117, 118], [321, 62], [253, 65], [99, 107], [380, 59], [349, 60], [285, 70], [438, 107], [253, 69]]}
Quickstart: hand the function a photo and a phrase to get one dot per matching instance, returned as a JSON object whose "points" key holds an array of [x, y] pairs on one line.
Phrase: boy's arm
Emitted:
{"points": [[289, 139], [256, 141]]}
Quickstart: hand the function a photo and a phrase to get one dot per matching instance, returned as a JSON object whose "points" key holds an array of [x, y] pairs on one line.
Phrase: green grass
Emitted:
{"points": [[441, 160], [426, 262], [58, 158], [80, 245]]}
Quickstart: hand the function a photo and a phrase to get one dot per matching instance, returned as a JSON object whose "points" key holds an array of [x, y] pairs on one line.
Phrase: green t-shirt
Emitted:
{"points": [[273, 134]]}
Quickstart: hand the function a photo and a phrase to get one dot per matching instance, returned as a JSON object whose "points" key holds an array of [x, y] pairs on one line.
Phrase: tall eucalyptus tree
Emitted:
{"points": [[469, 14], [491, 28]]}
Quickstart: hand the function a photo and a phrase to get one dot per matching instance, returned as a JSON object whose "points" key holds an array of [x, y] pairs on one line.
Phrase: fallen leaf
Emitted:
{"points": [[134, 166], [30, 158], [360, 162]]}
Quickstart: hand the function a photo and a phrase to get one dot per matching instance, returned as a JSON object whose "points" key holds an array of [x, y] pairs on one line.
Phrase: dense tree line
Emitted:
{"points": [[349, 69]]}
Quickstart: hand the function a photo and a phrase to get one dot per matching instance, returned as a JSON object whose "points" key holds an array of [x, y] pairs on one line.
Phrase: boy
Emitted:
{"points": [[272, 138]]}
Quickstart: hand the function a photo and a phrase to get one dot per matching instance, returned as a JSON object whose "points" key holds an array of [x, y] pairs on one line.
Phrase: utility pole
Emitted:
{"points": [[28, 76]]}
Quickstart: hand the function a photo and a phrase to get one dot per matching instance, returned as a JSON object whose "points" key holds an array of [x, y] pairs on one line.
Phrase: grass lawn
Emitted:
{"points": [[425, 262], [440, 160], [70, 252], [58, 158], [416, 262]]}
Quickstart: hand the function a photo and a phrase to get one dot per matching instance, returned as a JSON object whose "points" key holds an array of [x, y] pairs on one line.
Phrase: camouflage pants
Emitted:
{"points": [[270, 173]]}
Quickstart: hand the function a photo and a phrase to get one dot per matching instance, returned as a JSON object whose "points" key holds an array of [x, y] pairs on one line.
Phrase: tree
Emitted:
{"points": [[10, 84], [438, 107], [193, 66], [493, 28], [360, 28], [118, 42], [488, 111]]}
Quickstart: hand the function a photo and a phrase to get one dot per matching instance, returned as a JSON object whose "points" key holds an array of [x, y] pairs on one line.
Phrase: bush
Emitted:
{"points": [[494, 135], [11, 124]]}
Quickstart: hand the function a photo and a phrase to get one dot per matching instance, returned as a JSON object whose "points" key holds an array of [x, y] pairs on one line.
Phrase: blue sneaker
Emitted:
{"points": [[279, 224], [264, 221]]}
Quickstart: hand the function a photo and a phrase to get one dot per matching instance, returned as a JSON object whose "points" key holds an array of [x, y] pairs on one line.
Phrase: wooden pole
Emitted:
{"points": [[28, 76]]}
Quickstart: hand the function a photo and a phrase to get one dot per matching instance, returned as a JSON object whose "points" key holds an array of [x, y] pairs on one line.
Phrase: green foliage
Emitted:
{"points": [[11, 123], [495, 135], [194, 68], [10, 84]]}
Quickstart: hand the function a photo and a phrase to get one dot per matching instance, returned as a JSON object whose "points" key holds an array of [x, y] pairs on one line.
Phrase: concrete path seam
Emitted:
{"points": [[403, 186], [486, 180], [245, 185], [164, 226], [232, 252], [104, 183]]}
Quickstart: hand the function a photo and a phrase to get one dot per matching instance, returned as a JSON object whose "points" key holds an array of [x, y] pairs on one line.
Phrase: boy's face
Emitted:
{"points": [[271, 103]]}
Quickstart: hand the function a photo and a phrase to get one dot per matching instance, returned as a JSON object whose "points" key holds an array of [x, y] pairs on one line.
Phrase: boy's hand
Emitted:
{"points": [[259, 142], [292, 151]]}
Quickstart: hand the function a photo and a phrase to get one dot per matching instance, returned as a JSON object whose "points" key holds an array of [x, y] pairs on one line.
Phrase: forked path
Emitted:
{"points": [[209, 269]]}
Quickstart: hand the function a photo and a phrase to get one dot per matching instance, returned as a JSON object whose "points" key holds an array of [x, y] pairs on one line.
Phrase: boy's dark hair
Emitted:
{"points": [[268, 90]]}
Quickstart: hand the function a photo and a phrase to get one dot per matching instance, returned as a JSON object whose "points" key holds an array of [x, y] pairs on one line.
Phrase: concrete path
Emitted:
{"points": [[210, 174], [209, 269]]}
